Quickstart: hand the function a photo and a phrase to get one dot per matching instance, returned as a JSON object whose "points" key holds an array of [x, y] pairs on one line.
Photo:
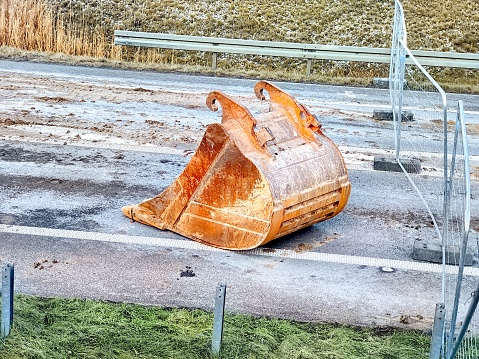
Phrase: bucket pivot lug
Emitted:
{"points": [[231, 110], [302, 118]]}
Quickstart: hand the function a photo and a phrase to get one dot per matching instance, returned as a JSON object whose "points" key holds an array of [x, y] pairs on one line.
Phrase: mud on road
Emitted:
{"points": [[55, 110], [78, 144], [77, 127]]}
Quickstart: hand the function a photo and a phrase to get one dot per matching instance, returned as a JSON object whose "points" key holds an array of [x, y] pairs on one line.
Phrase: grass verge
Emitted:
{"points": [[73, 328]]}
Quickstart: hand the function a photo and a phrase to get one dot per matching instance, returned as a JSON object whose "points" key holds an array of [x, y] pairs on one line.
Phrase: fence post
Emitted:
{"points": [[218, 318], [437, 332], [7, 299]]}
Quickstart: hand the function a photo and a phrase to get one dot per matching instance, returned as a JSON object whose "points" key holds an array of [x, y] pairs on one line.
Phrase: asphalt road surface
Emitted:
{"points": [[78, 143]]}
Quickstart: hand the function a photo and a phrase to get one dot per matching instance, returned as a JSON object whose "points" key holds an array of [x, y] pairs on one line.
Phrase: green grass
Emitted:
{"points": [[73, 328]]}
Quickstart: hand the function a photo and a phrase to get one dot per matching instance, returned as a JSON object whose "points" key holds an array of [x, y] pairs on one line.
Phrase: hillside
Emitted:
{"points": [[445, 26], [85, 28]]}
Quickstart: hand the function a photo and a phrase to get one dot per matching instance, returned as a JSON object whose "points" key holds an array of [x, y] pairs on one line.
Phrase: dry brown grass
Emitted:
{"points": [[38, 26], [447, 25]]}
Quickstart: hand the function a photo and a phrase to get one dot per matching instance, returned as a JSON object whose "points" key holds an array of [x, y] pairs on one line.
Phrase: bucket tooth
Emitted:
{"points": [[252, 179]]}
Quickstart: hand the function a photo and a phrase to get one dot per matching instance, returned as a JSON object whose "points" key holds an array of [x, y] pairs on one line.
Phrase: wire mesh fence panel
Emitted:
{"points": [[421, 148], [431, 140], [461, 324], [420, 123]]}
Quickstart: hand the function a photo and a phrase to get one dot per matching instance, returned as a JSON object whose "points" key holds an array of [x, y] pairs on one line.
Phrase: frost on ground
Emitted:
{"points": [[44, 109], [353, 23]]}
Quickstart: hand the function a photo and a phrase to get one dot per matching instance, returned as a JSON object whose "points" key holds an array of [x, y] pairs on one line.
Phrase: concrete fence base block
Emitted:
{"points": [[381, 82], [432, 252], [387, 115], [389, 164]]}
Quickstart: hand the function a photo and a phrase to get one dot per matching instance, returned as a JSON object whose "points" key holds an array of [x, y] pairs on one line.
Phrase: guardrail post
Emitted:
{"points": [[7, 299], [309, 63], [214, 60], [218, 318]]}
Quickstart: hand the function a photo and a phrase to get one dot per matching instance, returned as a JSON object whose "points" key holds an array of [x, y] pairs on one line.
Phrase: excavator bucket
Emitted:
{"points": [[252, 179]]}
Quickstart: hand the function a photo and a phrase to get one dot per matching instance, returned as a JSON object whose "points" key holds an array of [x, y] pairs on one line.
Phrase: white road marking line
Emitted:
{"points": [[266, 252]]}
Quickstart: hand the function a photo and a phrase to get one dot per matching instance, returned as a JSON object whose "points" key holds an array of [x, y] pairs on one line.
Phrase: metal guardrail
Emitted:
{"points": [[309, 52]]}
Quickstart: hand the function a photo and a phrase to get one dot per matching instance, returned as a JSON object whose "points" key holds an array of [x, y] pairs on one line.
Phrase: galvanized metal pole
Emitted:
{"points": [[437, 332], [7, 299], [397, 72], [465, 229], [218, 318], [451, 351]]}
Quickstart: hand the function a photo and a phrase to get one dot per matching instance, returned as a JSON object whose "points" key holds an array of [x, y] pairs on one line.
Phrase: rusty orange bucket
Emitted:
{"points": [[252, 179]]}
